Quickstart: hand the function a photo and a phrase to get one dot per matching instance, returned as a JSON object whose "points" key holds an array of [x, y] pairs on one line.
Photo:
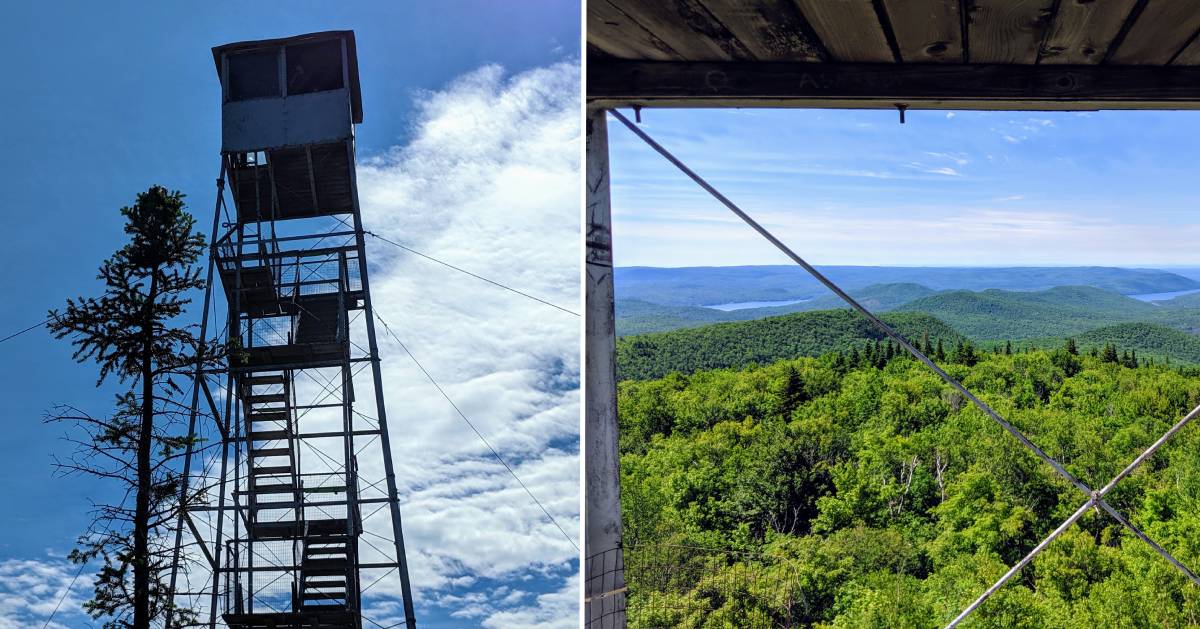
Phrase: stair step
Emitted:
{"points": [[271, 470], [332, 597], [250, 381], [332, 583], [267, 416], [271, 452], [266, 398], [325, 567], [315, 555], [270, 435], [279, 488]]}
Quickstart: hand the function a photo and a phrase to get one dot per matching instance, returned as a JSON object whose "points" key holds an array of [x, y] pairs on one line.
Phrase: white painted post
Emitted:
{"points": [[604, 569]]}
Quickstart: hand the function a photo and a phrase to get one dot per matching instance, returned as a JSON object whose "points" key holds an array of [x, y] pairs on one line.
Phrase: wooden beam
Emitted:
{"points": [[927, 31], [1008, 31], [929, 86], [686, 26], [1082, 32], [773, 30], [849, 29], [1190, 56], [615, 33], [1162, 30]]}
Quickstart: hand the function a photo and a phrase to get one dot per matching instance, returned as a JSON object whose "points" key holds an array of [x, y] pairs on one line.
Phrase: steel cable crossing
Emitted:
{"points": [[477, 433], [1095, 497], [478, 277], [30, 328]]}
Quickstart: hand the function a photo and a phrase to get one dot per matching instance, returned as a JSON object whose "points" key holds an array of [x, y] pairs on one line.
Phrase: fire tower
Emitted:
{"points": [[286, 543]]}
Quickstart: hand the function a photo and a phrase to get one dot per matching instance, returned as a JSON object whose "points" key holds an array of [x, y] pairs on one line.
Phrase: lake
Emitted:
{"points": [[1163, 296], [743, 305]]}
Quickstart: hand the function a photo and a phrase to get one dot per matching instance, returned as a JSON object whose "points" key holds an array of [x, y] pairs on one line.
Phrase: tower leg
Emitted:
{"points": [[385, 440], [604, 568], [192, 413]]}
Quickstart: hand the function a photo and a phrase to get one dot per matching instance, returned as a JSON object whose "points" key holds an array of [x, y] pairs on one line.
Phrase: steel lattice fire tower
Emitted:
{"points": [[285, 520]]}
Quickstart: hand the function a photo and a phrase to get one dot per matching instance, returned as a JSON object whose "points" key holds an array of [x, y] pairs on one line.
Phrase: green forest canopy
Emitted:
{"points": [[867, 493]]}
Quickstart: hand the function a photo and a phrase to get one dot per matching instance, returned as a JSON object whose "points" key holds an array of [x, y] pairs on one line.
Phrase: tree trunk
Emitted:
{"points": [[141, 522]]}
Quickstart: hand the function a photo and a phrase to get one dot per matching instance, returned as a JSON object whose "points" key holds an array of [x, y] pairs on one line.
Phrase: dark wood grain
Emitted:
{"points": [[849, 29], [1007, 31], [616, 34], [1190, 55], [1083, 30], [748, 84], [773, 30], [927, 31], [1162, 29], [687, 27]]}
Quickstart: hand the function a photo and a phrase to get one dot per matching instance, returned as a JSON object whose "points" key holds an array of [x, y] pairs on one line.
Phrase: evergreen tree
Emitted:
{"points": [[1008, 348], [965, 354], [1071, 347], [792, 395], [132, 332], [939, 354], [1110, 353], [925, 347]]}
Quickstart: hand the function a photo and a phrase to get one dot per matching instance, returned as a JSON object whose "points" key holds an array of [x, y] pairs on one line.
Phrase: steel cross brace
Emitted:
{"points": [[1094, 497]]}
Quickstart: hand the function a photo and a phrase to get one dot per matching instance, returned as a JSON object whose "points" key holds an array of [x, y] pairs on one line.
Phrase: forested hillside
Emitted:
{"points": [[1059, 311], [860, 491], [764, 341]]}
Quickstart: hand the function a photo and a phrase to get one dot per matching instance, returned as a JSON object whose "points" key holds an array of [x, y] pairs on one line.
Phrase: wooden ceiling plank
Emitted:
{"points": [[927, 31], [806, 84], [616, 34], [1083, 30], [1159, 32], [1008, 31], [773, 30], [1190, 55], [687, 27], [849, 29]]}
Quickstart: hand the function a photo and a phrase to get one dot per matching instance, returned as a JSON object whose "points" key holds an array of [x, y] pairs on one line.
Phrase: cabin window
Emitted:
{"points": [[314, 67], [253, 75]]}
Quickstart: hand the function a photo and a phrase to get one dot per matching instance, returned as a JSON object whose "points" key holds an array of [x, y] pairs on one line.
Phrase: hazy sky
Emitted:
{"points": [[947, 188]]}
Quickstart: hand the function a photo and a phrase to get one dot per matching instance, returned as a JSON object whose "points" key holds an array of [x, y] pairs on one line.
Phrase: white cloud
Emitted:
{"points": [[553, 609], [30, 590], [490, 183]]}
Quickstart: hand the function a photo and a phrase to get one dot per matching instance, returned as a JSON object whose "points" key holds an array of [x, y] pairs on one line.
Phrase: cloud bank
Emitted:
{"points": [[490, 183]]}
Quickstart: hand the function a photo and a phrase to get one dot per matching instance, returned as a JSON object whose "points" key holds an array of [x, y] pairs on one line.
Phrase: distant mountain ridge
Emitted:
{"points": [[703, 286], [635, 316]]}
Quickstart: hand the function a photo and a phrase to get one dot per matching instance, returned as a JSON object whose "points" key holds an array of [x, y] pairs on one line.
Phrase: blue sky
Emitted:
{"points": [[103, 100], [946, 189]]}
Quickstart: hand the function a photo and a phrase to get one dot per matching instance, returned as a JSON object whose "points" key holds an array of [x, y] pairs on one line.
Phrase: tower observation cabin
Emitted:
{"points": [[290, 258]]}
